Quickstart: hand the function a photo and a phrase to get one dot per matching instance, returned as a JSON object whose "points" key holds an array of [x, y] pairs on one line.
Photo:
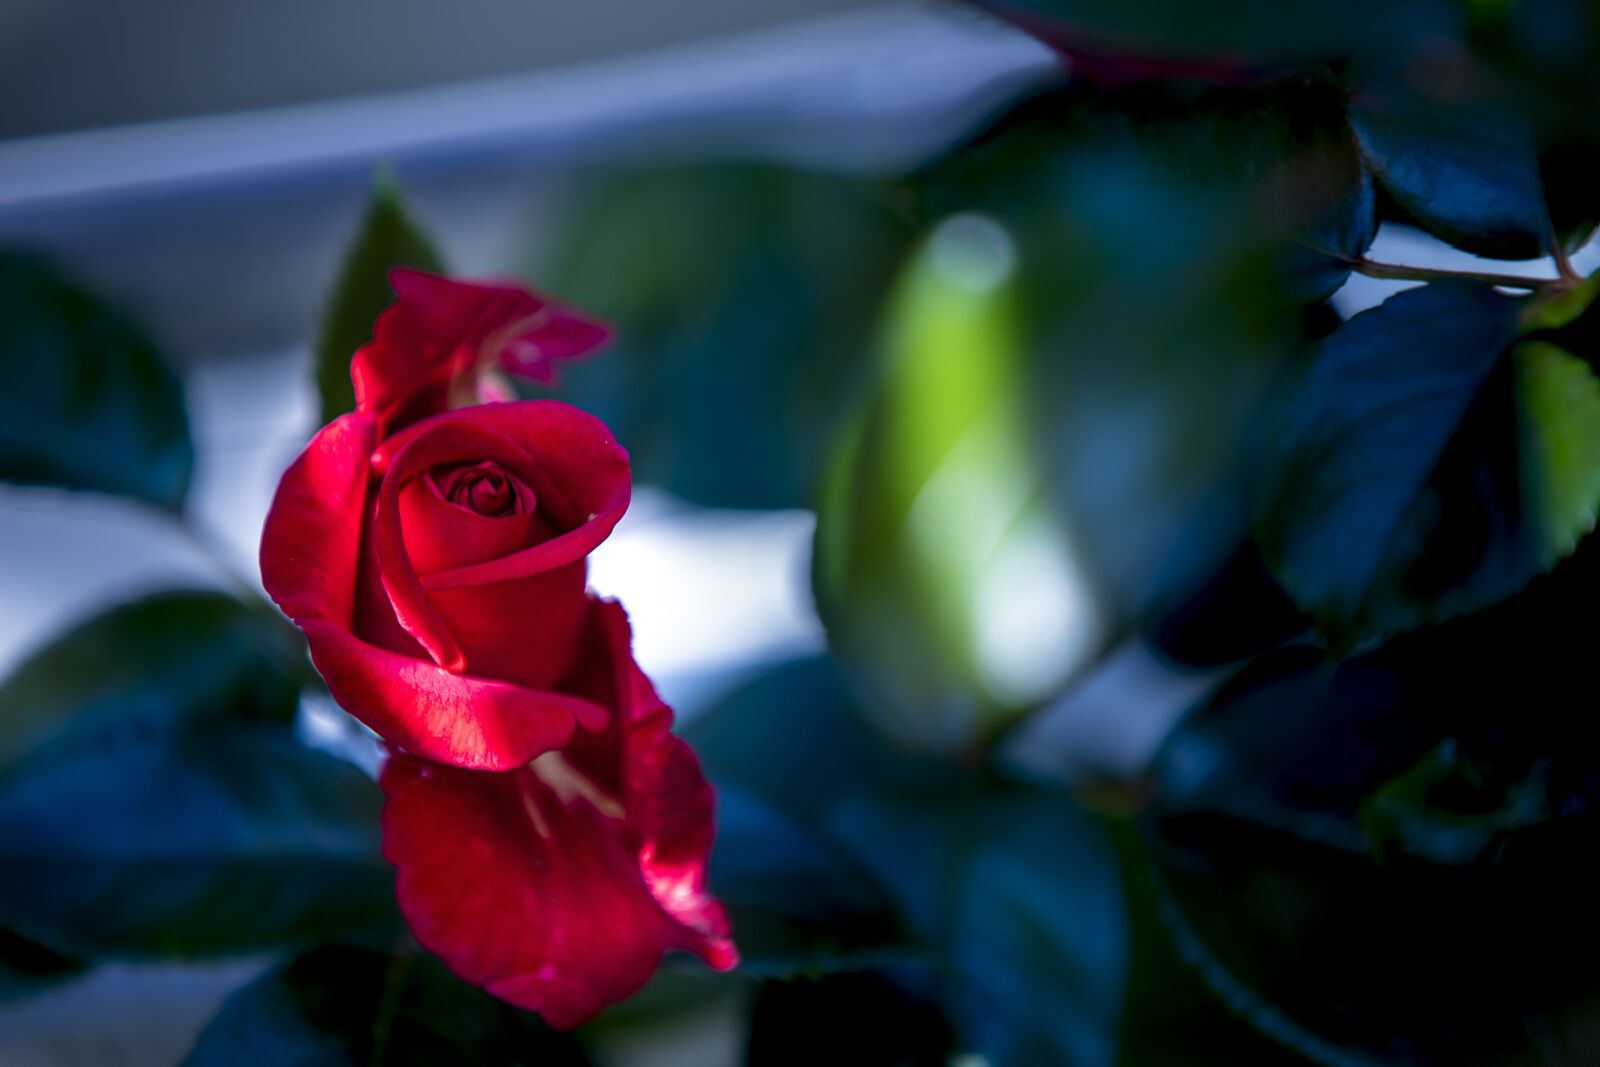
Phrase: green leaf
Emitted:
{"points": [[936, 511], [794, 740], [86, 402], [1465, 170], [785, 749], [745, 300], [1227, 37], [799, 907], [1356, 881], [1042, 915], [1561, 307], [169, 658], [1024, 896], [387, 238], [1561, 411], [26, 967], [146, 838], [1152, 301], [345, 1006], [1393, 493], [1450, 808]]}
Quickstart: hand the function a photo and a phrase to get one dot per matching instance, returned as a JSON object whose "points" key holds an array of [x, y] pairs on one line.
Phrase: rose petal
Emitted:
{"points": [[432, 333], [439, 441], [452, 718], [440, 330], [580, 476], [543, 885], [311, 543], [441, 535], [524, 630], [567, 335]]}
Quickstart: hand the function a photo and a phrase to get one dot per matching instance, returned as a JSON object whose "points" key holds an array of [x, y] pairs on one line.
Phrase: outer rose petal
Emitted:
{"points": [[311, 544], [452, 718], [441, 332], [543, 885], [309, 556]]}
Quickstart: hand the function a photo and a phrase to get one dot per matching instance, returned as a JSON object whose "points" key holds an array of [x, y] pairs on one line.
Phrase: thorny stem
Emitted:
{"points": [[1404, 272], [1433, 274], [1558, 252]]}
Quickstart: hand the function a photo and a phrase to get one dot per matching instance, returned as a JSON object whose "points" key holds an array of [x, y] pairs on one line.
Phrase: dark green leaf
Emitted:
{"points": [[785, 749], [745, 299], [171, 658], [1465, 170], [1361, 892], [85, 401], [26, 967], [1453, 809], [1236, 611], [344, 1007], [1155, 38], [799, 907], [793, 739], [143, 837], [935, 509], [1151, 234], [1023, 894], [1042, 914], [388, 238], [1395, 494]]}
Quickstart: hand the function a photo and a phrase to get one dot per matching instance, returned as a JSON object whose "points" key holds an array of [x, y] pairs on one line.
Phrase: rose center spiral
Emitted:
{"points": [[486, 490]]}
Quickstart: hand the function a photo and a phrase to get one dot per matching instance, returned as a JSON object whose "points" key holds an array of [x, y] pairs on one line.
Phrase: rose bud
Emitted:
{"points": [[559, 886]]}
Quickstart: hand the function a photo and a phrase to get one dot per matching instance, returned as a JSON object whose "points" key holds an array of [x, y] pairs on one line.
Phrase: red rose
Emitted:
{"points": [[550, 834], [558, 886], [439, 574]]}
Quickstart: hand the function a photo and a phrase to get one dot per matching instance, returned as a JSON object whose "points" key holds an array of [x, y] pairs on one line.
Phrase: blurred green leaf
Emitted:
{"points": [[1418, 472], [344, 1006], [26, 967], [785, 749], [1229, 37], [1024, 895], [86, 402], [154, 800], [799, 907], [214, 837], [1465, 170], [1151, 303], [934, 519], [1044, 920], [745, 297], [387, 238], [170, 658], [794, 740]]}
